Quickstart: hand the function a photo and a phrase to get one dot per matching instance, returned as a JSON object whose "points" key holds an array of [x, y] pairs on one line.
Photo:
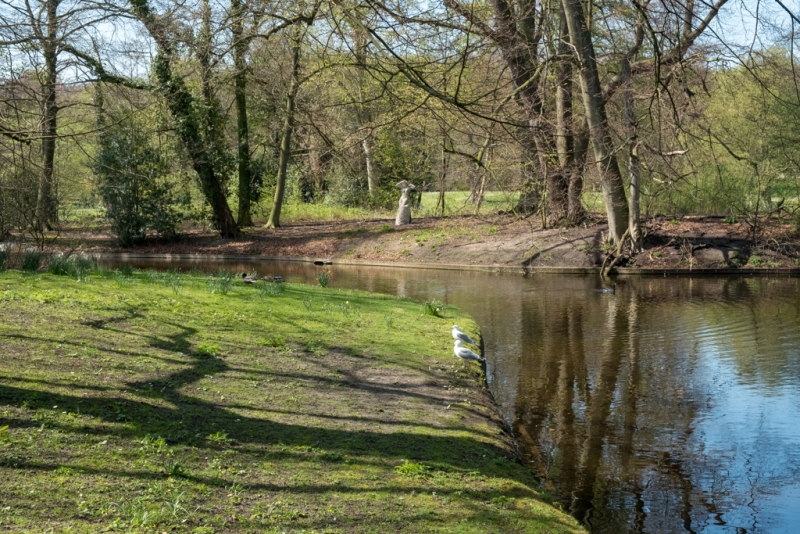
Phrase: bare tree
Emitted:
{"points": [[288, 128], [38, 33]]}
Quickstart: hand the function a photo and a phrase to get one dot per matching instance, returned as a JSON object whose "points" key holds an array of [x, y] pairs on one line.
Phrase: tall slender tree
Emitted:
{"points": [[240, 49], [288, 128], [599, 132]]}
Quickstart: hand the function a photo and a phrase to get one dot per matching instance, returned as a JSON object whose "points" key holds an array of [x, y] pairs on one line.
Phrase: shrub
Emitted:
{"points": [[345, 188], [18, 194], [31, 260], [78, 267], [132, 182]]}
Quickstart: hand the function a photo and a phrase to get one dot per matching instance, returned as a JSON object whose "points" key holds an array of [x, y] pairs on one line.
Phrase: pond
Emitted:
{"points": [[670, 405]]}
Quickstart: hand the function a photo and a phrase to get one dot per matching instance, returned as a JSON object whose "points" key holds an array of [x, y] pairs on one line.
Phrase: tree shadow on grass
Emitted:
{"points": [[189, 420], [193, 420]]}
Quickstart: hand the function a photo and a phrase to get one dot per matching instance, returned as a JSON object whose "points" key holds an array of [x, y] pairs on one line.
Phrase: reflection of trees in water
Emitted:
{"points": [[601, 422], [613, 390]]}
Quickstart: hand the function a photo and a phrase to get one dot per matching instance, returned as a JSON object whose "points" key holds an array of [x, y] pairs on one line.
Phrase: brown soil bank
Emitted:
{"points": [[690, 243]]}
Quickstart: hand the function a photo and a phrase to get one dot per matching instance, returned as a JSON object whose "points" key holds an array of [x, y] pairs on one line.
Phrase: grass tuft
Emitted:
{"points": [[411, 469], [31, 260], [433, 307], [323, 277], [77, 267]]}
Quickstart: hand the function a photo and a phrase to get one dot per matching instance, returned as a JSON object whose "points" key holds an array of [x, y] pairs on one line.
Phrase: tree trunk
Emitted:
{"points": [[181, 104], [443, 175], [516, 34], [372, 183], [478, 195], [634, 170], [530, 195], [611, 177], [46, 215], [288, 127], [558, 181], [575, 210], [363, 114], [240, 47], [564, 139]]}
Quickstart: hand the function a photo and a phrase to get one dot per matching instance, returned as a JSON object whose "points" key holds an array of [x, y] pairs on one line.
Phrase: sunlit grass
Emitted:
{"points": [[456, 203], [127, 405]]}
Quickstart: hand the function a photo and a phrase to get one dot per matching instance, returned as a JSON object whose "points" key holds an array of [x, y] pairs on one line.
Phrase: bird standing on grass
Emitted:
{"points": [[464, 353], [458, 334]]}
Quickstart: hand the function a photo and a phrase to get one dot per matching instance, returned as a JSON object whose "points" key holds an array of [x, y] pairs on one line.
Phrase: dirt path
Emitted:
{"points": [[501, 240]]}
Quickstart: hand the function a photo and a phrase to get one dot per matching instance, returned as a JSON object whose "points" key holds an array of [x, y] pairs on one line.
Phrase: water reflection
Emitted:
{"points": [[669, 406]]}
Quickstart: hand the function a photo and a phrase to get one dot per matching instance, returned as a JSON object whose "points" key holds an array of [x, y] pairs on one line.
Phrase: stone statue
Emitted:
{"points": [[404, 210]]}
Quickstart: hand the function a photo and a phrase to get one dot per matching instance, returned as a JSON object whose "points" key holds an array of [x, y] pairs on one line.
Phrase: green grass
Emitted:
{"points": [[127, 405], [456, 203]]}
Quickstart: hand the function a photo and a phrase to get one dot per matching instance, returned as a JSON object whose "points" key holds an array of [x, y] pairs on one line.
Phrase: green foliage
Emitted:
{"points": [[31, 260], [269, 289], [207, 350], [744, 157], [411, 469], [277, 342], [221, 283], [399, 155], [131, 175], [755, 261], [174, 468], [78, 267], [433, 307], [323, 277], [346, 188], [219, 437]]}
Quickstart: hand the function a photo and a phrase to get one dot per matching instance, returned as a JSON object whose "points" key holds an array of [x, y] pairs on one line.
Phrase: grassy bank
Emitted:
{"points": [[456, 203], [175, 403]]}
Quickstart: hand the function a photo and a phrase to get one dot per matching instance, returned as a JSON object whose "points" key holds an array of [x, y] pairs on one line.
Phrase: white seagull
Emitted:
{"points": [[464, 353], [458, 334]]}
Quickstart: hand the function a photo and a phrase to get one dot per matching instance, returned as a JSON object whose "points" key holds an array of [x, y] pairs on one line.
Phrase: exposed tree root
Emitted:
{"points": [[616, 256]]}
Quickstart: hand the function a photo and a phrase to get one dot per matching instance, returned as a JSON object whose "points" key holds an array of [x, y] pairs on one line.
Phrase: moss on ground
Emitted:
{"points": [[175, 403]]}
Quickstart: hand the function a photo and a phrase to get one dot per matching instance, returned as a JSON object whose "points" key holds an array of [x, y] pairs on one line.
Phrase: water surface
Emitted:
{"points": [[668, 406]]}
